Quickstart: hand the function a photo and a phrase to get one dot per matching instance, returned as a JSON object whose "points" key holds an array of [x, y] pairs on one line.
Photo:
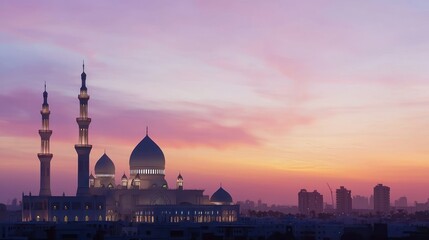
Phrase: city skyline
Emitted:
{"points": [[272, 97]]}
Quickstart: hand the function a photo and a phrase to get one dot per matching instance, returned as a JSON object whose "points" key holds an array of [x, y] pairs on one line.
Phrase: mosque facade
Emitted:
{"points": [[141, 196]]}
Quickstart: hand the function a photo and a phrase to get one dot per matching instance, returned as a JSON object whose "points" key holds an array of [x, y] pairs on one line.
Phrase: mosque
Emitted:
{"points": [[142, 196]]}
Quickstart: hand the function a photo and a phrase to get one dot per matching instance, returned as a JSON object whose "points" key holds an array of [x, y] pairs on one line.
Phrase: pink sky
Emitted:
{"points": [[265, 98]]}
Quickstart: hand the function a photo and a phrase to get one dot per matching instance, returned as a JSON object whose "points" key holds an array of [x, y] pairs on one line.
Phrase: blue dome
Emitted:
{"points": [[147, 154], [104, 166], [221, 196]]}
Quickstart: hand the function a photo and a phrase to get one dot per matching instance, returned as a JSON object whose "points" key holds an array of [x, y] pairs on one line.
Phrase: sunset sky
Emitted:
{"points": [[265, 97]]}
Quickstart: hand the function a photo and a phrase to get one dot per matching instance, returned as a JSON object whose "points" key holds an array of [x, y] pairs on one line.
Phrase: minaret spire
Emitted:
{"points": [[45, 97], [45, 156], [83, 148], [83, 78]]}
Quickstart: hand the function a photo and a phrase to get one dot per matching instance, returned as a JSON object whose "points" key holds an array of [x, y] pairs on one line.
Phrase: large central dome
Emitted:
{"points": [[147, 155]]}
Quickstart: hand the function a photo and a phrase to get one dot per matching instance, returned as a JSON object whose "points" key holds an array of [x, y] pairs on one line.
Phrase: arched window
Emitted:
{"points": [[76, 218], [86, 218], [66, 219], [54, 218], [100, 218]]}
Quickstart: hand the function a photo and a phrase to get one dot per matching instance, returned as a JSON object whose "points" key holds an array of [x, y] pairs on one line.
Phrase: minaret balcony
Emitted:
{"points": [[45, 134], [83, 122], [83, 149], [83, 95], [45, 111], [45, 156]]}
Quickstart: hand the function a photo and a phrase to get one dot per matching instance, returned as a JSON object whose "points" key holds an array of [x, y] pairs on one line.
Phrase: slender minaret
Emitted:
{"points": [[45, 156], [83, 148]]}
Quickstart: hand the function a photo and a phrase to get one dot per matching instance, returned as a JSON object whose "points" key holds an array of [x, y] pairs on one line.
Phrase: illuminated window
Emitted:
{"points": [[100, 218], [76, 218], [86, 218], [66, 219], [54, 219]]}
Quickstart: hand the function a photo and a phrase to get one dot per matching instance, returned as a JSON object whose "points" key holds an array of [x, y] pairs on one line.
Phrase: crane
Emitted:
{"points": [[332, 195]]}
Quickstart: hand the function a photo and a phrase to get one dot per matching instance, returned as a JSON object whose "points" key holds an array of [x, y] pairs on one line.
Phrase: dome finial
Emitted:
{"points": [[147, 131], [83, 65], [45, 86]]}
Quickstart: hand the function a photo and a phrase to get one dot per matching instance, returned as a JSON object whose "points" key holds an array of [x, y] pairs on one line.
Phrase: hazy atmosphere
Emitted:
{"points": [[265, 99]]}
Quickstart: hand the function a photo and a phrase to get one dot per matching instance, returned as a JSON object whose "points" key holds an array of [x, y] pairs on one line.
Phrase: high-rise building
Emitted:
{"points": [[310, 203], [360, 202], [381, 199], [344, 200]]}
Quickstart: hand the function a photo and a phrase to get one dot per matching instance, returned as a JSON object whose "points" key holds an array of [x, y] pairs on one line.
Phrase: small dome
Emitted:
{"points": [[104, 166], [124, 177], [147, 154], [91, 176], [221, 196], [179, 177]]}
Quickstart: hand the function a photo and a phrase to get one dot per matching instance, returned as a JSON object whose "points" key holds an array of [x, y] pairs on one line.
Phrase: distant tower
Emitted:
{"points": [[83, 148], [310, 203], [344, 200], [45, 156], [381, 199], [179, 182]]}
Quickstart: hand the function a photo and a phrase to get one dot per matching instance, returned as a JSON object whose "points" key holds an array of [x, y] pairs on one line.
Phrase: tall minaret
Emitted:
{"points": [[83, 148], [45, 156]]}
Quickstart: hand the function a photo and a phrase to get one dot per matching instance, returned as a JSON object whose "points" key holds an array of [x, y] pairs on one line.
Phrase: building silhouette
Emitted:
{"points": [[381, 199], [142, 196], [344, 200], [310, 203]]}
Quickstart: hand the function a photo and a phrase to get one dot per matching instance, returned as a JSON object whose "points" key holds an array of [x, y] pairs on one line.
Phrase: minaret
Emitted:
{"points": [[45, 156], [83, 148]]}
